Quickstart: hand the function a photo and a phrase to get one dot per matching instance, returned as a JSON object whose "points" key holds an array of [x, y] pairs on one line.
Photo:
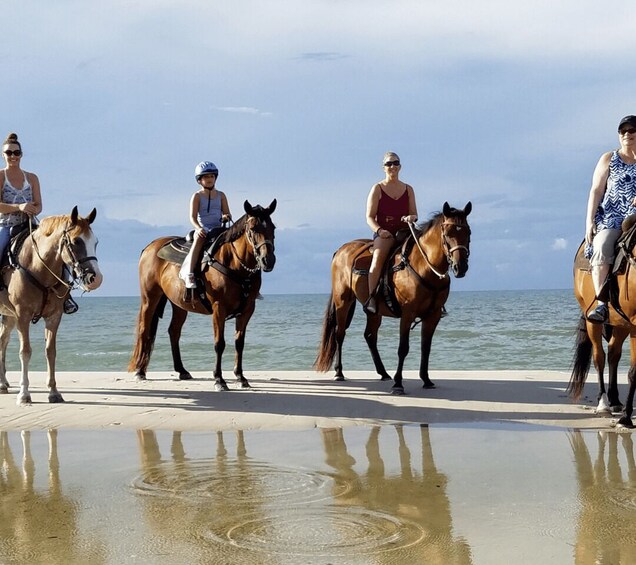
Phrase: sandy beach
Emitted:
{"points": [[299, 400]]}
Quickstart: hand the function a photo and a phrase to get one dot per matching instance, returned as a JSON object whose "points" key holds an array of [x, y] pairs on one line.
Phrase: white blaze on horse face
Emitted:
{"points": [[90, 241]]}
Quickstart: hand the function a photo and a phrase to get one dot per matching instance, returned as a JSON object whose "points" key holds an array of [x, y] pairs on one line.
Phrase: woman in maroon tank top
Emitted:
{"points": [[390, 207]]}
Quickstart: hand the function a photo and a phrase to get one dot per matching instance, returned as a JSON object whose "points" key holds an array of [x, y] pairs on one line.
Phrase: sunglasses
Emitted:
{"points": [[629, 131], [15, 153], [392, 164]]}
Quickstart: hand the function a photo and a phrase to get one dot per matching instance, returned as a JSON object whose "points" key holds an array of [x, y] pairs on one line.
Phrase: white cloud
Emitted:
{"points": [[560, 244], [243, 110]]}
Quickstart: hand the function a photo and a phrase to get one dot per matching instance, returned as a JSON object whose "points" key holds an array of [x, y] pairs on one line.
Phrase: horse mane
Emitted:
{"points": [[238, 228], [51, 224], [434, 220], [235, 231]]}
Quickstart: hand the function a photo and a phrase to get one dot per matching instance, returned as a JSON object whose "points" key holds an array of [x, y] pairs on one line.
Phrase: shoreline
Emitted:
{"points": [[300, 400]]}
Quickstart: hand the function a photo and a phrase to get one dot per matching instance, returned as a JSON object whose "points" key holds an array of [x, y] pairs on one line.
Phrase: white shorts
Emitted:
{"points": [[603, 246]]}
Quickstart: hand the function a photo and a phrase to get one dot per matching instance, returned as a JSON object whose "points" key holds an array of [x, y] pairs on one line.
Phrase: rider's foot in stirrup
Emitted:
{"points": [[190, 281], [599, 315], [70, 306]]}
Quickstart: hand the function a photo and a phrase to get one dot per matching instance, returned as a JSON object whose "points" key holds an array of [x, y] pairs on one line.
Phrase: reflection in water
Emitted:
{"points": [[247, 508], [606, 534], [417, 500], [38, 525]]}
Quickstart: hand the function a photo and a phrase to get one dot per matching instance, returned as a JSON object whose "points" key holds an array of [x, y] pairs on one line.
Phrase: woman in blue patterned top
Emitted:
{"points": [[612, 198]]}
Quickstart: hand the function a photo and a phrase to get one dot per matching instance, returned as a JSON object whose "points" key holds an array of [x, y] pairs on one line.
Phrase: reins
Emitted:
{"points": [[425, 256]]}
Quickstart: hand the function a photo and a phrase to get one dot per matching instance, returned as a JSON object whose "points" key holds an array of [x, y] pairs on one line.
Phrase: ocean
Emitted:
{"points": [[484, 330]]}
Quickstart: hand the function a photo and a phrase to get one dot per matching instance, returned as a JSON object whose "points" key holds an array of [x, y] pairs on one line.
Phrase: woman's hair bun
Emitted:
{"points": [[11, 137]]}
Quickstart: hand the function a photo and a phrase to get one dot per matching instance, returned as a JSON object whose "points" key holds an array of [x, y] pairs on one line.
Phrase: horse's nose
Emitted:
{"points": [[268, 262], [93, 280]]}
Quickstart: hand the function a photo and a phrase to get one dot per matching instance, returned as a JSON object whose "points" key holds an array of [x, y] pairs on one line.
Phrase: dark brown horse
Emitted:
{"points": [[589, 340], [232, 283], [61, 248], [416, 286]]}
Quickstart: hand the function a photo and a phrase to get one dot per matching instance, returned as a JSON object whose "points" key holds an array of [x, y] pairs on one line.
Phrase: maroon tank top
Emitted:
{"points": [[390, 210]]}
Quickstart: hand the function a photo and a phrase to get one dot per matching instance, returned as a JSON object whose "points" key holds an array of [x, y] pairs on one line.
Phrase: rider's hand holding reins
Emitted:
{"points": [[28, 208], [409, 219]]}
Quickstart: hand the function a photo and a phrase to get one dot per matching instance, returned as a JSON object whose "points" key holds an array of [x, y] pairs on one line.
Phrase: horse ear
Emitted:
{"points": [[272, 207], [91, 216], [247, 207], [74, 215], [446, 209], [468, 208]]}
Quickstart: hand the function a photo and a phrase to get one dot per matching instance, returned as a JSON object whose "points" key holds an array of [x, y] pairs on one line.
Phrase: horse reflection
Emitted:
{"points": [[418, 497], [605, 531], [38, 525], [198, 496]]}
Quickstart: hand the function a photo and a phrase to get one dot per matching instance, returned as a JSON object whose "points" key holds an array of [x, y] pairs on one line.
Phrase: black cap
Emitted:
{"points": [[627, 120]]}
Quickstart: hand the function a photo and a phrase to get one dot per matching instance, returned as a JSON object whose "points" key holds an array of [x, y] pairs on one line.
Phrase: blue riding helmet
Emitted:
{"points": [[205, 168]]}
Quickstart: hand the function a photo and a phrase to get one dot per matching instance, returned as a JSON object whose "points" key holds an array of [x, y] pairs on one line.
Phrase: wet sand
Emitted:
{"points": [[299, 400]]}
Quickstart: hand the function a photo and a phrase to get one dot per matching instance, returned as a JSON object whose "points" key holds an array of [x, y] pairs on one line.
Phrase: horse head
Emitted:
{"points": [[79, 246], [456, 238], [259, 230]]}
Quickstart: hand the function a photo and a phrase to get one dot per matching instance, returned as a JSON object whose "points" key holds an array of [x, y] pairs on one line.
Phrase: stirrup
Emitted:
{"points": [[70, 306]]}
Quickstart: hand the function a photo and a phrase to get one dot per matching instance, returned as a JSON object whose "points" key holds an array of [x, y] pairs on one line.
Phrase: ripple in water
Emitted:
{"points": [[321, 531], [241, 483]]}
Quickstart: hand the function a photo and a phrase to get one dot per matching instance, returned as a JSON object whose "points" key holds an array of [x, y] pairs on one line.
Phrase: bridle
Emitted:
{"points": [[249, 235], [78, 273], [448, 250]]}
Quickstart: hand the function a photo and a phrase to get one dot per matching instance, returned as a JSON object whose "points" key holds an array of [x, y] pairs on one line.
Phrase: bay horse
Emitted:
{"points": [[59, 249], [232, 282], [589, 339], [416, 282]]}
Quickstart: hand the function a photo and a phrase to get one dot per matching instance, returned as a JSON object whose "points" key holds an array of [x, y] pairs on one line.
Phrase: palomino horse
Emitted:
{"points": [[62, 247], [589, 341], [232, 283], [418, 286]]}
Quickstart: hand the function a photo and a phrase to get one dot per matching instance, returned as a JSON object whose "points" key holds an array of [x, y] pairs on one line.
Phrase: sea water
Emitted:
{"points": [[484, 330]]}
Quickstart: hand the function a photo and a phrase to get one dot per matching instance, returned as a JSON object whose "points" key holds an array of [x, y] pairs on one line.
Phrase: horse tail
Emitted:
{"points": [[328, 343], [582, 360], [144, 344]]}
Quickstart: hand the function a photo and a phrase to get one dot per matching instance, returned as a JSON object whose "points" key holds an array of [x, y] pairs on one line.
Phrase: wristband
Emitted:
{"points": [[377, 232]]}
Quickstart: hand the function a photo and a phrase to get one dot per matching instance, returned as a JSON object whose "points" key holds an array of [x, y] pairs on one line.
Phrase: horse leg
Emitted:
{"points": [[614, 352], [50, 332], [24, 396], [239, 345], [174, 331], [371, 337], [343, 315], [625, 421], [403, 351], [598, 355], [218, 322], [7, 323], [428, 329]]}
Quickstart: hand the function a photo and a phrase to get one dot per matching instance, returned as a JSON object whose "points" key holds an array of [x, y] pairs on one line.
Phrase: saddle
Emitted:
{"points": [[9, 259], [176, 250], [386, 290]]}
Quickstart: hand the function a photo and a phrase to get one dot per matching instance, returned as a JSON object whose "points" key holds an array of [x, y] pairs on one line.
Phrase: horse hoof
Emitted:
{"points": [[4, 390], [429, 384], [24, 401], [140, 377], [625, 422], [616, 409], [55, 398], [220, 387], [604, 412], [244, 383], [385, 378], [185, 376], [397, 391], [339, 378]]}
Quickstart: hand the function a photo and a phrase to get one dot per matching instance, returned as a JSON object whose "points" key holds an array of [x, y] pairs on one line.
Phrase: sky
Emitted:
{"points": [[505, 104]]}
